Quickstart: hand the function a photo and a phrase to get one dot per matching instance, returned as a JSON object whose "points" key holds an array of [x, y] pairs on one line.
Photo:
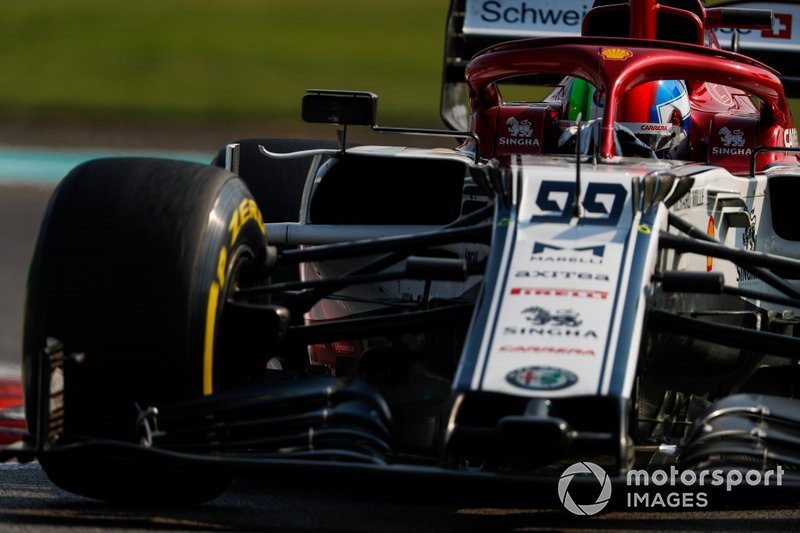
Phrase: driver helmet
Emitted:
{"points": [[657, 113]]}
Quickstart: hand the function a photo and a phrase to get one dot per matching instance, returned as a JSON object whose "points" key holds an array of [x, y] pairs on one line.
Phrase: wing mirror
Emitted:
{"points": [[360, 108], [348, 108]]}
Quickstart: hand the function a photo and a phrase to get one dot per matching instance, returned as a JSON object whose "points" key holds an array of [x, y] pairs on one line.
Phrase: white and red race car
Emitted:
{"points": [[604, 271]]}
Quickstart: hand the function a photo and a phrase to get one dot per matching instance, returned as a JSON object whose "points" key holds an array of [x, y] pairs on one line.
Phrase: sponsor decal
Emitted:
{"points": [[781, 27], [654, 127], [583, 254], [697, 198], [559, 323], [548, 350], [651, 128], [541, 378], [749, 238], [790, 138], [615, 54], [505, 141], [519, 128], [731, 138], [720, 93], [730, 151], [520, 134], [563, 317], [573, 293], [733, 142], [550, 332], [471, 256], [711, 233], [561, 274], [749, 235], [525, 18]]}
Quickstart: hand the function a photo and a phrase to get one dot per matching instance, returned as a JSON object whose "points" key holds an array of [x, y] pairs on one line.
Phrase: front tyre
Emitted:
{"points": [[132, 267]]}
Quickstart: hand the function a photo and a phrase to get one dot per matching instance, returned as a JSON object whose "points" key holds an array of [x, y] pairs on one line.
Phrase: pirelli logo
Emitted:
{"points": [[568, 293]]}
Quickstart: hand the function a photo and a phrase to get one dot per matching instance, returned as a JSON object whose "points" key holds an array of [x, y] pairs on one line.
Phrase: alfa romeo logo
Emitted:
{"points": [[590, 508]]}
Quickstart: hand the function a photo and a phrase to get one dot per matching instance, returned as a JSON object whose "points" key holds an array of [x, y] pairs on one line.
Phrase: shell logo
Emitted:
{"points": [[616, 54]]}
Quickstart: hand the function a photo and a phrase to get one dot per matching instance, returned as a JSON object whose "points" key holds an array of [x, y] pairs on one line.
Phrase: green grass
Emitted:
{"points": [[234, 59]]}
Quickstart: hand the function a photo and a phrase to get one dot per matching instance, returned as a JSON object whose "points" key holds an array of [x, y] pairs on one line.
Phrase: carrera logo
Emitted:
{"points": [[616, 54], [541, 378], [654, 127], [573, 293], [548, 350], [781, 27]]}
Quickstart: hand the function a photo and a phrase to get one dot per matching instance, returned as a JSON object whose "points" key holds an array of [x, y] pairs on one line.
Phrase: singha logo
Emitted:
{"points": [[517, 128], [542, 317], [731, 138]]}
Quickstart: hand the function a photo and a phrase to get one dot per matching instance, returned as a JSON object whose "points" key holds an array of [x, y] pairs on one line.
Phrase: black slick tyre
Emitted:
{"points": [[131, 268]]}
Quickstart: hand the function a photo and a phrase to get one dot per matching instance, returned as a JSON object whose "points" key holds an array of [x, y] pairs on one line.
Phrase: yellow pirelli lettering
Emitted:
{"points": [[248, 210], [211, 322], [208, 350], [223, 262]]}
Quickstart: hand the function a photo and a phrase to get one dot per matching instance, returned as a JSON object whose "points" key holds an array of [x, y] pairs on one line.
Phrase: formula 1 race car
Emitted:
{"points": [[605, 270]]}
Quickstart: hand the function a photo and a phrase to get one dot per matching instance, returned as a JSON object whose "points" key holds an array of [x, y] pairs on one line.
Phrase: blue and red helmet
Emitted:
{"points": [[658, 113]]}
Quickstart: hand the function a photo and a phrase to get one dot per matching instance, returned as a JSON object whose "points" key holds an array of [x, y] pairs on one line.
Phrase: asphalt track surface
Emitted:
{"points": [[29, 502]]}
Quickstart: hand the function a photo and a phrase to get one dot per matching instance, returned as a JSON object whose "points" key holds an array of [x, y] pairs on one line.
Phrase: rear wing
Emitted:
{"points": [[473, 25]]}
